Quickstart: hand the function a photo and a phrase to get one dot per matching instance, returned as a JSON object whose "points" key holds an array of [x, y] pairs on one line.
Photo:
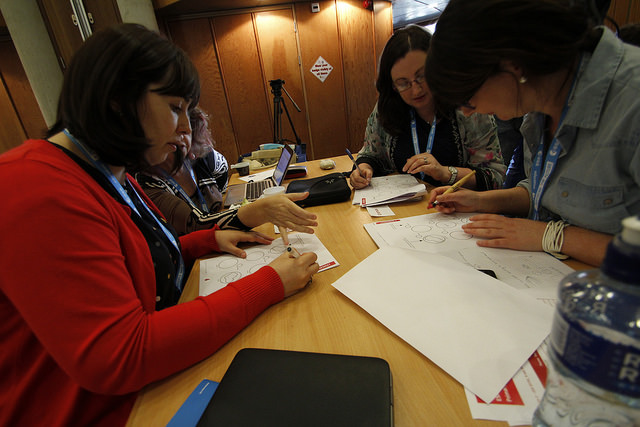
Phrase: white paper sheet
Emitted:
{"points": [[388, 189], [216, 273], [517, 402], [476, 328], [535, 273]]}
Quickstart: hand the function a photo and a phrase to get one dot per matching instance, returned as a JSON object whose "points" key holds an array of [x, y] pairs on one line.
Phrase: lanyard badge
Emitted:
{"points": [[104, 169]]}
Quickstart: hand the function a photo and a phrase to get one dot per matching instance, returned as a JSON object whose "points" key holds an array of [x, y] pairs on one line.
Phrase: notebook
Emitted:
{"points": [[253, 190], [290, 388]]}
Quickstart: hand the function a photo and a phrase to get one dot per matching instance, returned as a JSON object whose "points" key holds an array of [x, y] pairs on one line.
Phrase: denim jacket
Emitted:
{"points": [[596, 181]]}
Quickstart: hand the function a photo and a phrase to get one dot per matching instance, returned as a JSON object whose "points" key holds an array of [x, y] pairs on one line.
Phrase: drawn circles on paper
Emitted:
{"points": [[460, 235], [420, 229], [432, 238], [254, 256], [446, 225], [230, 277], [228, 263], [255, 268]]}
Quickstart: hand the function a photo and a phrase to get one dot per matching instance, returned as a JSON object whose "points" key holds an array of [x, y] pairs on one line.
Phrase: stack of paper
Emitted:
{"points": [[476, 328], [389, 189]]}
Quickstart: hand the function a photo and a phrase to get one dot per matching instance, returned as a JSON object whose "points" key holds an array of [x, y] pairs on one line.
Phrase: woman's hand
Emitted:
{"points": [[279, 210], [462, 200], [428, 165], [228, 240], [502, 232], [358, 180], [295, 273]]}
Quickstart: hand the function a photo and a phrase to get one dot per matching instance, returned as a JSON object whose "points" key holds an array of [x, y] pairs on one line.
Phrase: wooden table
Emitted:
{"points": [[321, 319]]}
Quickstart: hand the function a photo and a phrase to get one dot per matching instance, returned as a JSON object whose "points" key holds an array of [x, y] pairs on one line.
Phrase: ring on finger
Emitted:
{"points": [[426, 161]]}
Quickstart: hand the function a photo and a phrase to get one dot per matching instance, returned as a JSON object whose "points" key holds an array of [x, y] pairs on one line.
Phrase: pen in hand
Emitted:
{"points": [[354, 162], [456, 185], [293, 253]]}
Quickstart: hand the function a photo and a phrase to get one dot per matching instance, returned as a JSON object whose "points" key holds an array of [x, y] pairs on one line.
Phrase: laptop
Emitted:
{"points": [[253, 190], [289, 388]]}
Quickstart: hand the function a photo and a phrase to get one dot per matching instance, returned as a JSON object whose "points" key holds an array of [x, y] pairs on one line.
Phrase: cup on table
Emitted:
{"points": [[272, 191]]}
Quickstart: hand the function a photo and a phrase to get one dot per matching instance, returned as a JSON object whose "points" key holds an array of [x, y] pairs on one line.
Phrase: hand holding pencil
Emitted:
{"points": [[456, 185]]}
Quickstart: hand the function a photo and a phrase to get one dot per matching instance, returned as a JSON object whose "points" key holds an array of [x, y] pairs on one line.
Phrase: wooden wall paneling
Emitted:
{"points": [[356, 27], [11, 131], [383, 26], [619, 11], [318, 35], [243, 77], [634, 12], [195, 37], [19, 89], [279, 53]]}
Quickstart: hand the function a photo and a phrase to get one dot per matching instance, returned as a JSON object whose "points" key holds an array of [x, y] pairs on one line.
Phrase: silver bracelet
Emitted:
{"points": [[553, 238]]}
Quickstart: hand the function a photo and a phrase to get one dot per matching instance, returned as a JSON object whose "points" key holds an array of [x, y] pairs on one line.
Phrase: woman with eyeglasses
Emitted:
{"points": [[579, 87], [404, 133]]}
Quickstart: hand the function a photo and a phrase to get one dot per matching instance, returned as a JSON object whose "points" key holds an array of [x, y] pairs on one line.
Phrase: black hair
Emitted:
{"points": [[473, 37], [105, 81], [393, 111]]}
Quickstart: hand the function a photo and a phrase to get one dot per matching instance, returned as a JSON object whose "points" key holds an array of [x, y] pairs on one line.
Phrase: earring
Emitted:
{"points": [[522, 79]]}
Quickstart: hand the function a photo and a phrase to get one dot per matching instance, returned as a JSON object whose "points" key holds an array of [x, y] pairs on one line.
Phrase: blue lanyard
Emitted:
{"points": [[540, 176], [178, 188], [104, 169], [414, 136]]}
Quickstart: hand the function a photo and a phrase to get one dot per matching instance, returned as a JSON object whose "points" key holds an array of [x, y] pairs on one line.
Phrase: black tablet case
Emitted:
{"points": [[331, 188], [289, 388]]}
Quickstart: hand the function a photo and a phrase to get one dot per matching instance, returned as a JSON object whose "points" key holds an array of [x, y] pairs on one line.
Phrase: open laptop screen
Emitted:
{"points": [[283, 164]]}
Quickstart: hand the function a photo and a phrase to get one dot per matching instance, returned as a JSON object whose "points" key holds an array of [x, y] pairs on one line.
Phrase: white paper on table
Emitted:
{"points": [[383, 190], [216, 273], [434, 233], [517, 402], [258, 176], [535, 273], [474, 327]]}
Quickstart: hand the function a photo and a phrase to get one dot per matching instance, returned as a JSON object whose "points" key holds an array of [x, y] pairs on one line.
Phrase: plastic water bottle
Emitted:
{"points": [[595, 342]]}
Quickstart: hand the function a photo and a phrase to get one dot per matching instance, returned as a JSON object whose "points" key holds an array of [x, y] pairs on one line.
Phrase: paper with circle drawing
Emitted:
{"points": [[389, 189], [216, 273], [534, 273]]}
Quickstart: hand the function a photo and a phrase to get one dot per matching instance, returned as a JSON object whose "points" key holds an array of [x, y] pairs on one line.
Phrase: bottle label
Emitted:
{"points": [[609, 365]]}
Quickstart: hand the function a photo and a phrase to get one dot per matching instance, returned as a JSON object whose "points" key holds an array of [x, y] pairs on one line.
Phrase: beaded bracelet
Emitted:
{"points": [[553, 239]]}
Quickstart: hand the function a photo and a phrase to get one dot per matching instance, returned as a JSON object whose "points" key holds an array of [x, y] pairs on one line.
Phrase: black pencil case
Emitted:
{"points": [[323, 190]]}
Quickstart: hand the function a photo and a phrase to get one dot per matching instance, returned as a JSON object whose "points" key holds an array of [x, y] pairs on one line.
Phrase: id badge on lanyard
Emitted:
{"points": [[178, 188], [414, 136], [104, 169]]}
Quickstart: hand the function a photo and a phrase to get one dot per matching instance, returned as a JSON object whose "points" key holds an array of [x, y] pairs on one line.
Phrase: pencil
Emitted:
{"points": [[457, 185], [283, 233]]}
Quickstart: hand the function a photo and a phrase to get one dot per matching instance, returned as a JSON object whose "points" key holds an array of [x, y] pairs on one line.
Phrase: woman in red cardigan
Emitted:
{"points": [[90, 270]]}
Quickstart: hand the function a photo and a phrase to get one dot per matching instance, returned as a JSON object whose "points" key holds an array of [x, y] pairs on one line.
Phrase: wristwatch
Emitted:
{"points": [[454, 175]]}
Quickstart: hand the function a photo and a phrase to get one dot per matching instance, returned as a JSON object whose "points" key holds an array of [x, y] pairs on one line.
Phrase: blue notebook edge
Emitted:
{"points": [[192, 409]]}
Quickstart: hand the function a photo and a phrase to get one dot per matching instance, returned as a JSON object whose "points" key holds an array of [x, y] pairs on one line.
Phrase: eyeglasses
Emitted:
{"points": [[401, 85]]}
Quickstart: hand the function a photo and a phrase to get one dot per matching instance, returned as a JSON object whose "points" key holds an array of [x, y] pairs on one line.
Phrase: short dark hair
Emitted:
{"points": [[472, 37], [394, 112], [105, 81]]}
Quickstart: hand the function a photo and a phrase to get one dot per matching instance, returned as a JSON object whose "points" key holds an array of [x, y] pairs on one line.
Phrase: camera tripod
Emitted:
{"points": [[279, 105]]}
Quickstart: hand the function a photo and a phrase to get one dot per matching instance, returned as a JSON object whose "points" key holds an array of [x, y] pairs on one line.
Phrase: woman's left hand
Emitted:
{"points": [[228, 240], [503, 232], [427, 164]]}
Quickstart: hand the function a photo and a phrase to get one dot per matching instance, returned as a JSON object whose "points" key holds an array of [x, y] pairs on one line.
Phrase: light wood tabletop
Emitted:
{"points": [[321, 319]]}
